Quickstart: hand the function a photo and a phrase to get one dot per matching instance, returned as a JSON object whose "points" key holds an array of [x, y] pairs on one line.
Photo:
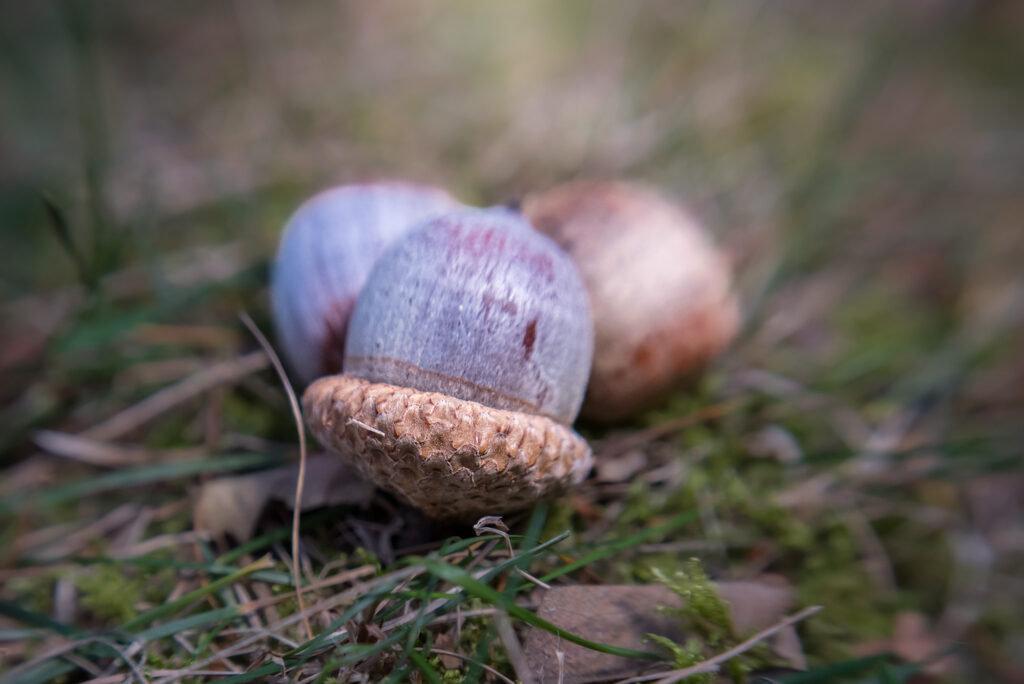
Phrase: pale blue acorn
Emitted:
{"points": [[466, 361], [328, 248]]}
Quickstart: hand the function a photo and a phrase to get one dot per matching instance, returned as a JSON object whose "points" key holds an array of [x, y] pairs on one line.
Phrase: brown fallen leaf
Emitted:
{"points": [[233, 504], [622, 615]]}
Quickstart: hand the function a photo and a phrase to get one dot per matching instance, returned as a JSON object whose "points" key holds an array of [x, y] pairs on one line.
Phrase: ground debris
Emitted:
{"points": [[622, 615], [233, 504]]}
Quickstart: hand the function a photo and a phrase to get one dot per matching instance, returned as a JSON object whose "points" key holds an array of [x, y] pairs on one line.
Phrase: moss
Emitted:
{"points": [[686, 655], [834, 576], [706, 615], [786, 529], [109, 593], [448, 676], [820, 554], [703, 610]]}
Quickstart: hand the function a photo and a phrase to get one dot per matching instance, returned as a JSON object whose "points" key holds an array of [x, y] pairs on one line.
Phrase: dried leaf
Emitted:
{"points": [[233, 504], [623, 615]]}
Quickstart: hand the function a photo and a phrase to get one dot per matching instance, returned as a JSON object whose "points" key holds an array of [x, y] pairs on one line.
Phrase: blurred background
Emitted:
{"points": [[862, 164]]}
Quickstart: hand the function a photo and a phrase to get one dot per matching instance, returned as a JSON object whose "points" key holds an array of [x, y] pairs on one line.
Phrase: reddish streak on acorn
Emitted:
{"points": [[529, 338], [489, 240], [335, 328]]}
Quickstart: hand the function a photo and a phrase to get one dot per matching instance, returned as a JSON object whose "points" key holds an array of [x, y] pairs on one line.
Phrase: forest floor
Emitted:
{"points": [[858, 449]]}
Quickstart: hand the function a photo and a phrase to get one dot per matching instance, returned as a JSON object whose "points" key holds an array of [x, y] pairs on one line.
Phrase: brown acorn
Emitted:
{"points": [[660, 292]]}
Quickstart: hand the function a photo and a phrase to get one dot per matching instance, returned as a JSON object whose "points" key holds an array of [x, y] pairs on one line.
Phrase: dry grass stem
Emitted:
{"points": [[620, 445], [300, 483], [494, 525], [482, 666], [103, 454], [65, 649], [167, 398], [59, 541]]}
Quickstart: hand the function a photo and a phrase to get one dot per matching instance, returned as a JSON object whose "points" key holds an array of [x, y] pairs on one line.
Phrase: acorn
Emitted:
{"points": [[327, 250], [660, 291], [465, 364]]}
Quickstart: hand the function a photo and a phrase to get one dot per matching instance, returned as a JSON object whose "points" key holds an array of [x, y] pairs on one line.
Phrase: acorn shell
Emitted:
{"points": [[327, 250], [450, 458], [660, 292], [478, 305]]}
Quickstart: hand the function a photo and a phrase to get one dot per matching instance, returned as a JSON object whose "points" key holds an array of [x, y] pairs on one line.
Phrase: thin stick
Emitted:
{"points": [[104, 454], [169, 397], [293, 401], [616, 447], [357, 573], [711, 664], [52, 543]]}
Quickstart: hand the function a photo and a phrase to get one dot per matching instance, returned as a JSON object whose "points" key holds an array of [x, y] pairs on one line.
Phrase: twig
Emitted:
{"points": [[82, 664], [169, 397], [301, 481], [356, 573], [711, 664], [51, 544], [616, 447], [152, 544], [99, 453]]}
